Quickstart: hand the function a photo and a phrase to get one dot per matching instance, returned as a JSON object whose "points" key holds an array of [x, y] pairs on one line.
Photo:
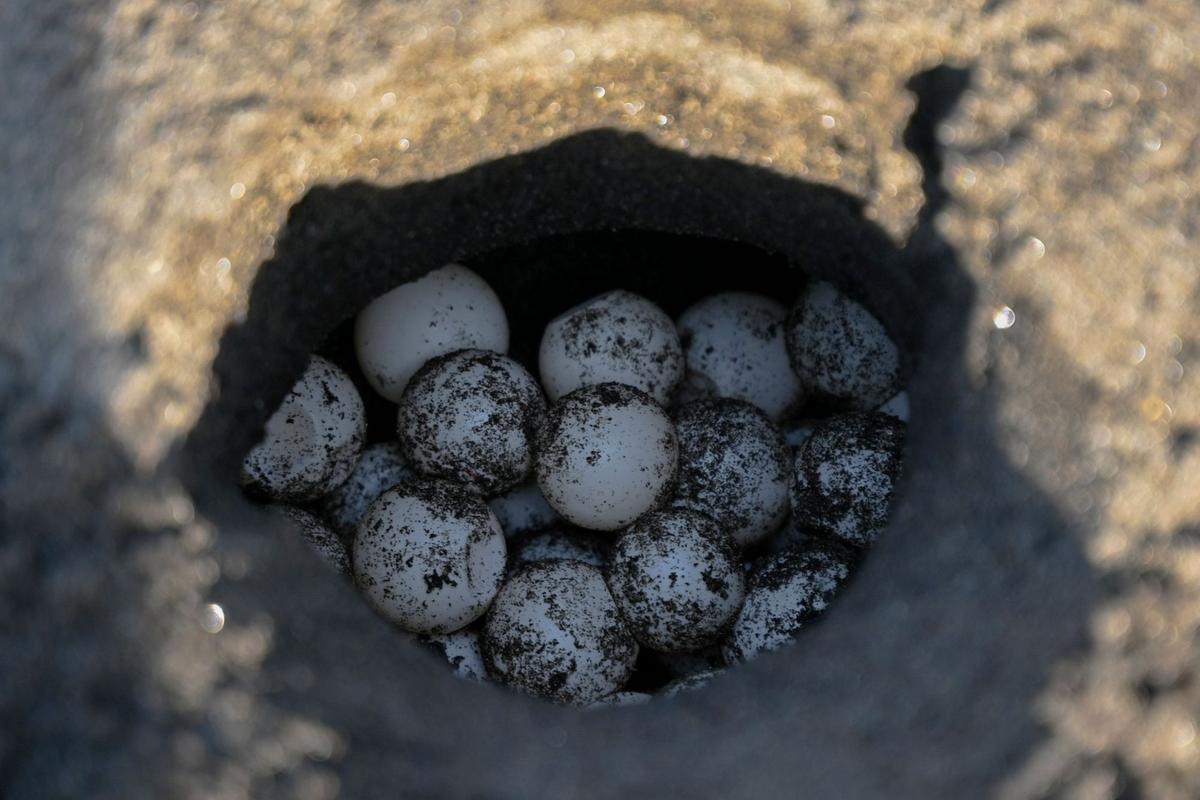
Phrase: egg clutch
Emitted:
{"points": [[664, 496]]}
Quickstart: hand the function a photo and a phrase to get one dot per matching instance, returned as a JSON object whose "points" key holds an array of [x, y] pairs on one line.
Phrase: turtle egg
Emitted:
{"points": [[461, 649], [845, 474], [312, 440], [736, 340], [523, 509], [677, 579], [448, 309], [380, 467], [841, 349], [618, 337], [607, 455], [734, 466], [559, 544], [429, 555], [319, 537], [785, 592], [555, 631], [472, 415]]}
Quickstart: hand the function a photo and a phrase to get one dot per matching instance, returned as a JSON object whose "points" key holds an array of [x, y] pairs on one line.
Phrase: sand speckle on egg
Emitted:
{"points": [[677, 579], [845, 475], [618, 337], [312, 441], [736, 341], [429, 555], [472, 415], [734, 466], [554, 631], [607, 455], [840, 349], [785, 592]]}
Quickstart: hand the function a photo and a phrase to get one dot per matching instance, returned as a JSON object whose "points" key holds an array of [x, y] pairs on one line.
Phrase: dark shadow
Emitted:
{"points": [[919, 682]]}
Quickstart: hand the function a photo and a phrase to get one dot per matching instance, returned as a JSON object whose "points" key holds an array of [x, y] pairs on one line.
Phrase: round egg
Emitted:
{"points": [[839, 348], [380, 467], [734, 466], [320, 538], [448, 309], [554, 631], [313, 439], [677, 579], [561, 544], [523, 509], [472, 416], [607, 455], [429, 555], [736, 340], [785, 592], [462, 650], [845, 475], [618, 337]]}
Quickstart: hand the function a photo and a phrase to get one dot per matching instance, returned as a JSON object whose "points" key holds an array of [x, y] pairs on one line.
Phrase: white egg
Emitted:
{"points": [[462, 650], [677, 579], [323, 541], [448, 309], [380, 467], [608, 454], [845, 476], [785, 593], [736, 340], [840, 349], [523, 509], [618, 337], [313, 439], [734, 466], [429, 555], [472, 416], [554, 631]]}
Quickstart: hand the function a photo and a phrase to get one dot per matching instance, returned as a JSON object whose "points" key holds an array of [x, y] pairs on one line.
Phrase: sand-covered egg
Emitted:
{"points": [[560, 544], [380, 467], [447, 309], [523, 509], [677, 578], [734, 466], [473, 416], [845, 475], [555, 631], [323, 541], [313, 439], [429, 555], [607, 455], [840, 349], [736, 340], [785, 592], [462, 652], [617, 337]]}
